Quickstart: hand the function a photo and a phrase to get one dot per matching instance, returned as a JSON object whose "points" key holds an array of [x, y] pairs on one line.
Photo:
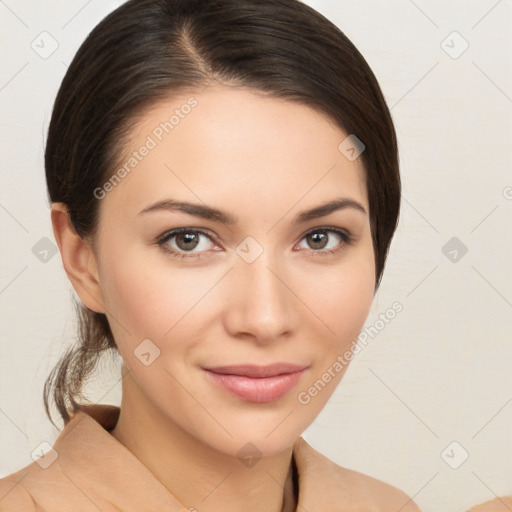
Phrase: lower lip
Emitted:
{"points": [[265, 389]]}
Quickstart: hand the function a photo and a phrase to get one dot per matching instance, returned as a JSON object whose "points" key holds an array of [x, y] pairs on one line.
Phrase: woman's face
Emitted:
{"points": [[274, 286]]}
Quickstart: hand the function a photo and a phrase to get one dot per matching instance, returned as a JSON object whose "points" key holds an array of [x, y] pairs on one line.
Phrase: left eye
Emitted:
{"points": [[320, 239]]}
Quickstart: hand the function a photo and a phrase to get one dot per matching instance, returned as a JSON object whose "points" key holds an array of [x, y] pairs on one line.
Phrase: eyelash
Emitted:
{"points": [[347, 239]]}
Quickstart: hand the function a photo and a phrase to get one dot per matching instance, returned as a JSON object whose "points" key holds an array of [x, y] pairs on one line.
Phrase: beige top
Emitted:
{"points": [[95, 472]]}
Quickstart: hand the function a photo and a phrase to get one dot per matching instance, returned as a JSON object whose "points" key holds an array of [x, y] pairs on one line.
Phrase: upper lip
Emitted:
{"points": [[255, 371]]}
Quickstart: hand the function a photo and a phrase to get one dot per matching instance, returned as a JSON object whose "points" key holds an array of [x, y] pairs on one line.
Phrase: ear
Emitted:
{"points": [[78, 259]]}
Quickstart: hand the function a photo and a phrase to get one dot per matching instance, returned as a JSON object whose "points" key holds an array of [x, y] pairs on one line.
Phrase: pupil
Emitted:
{"points": [[318, 239], [188, 239]]}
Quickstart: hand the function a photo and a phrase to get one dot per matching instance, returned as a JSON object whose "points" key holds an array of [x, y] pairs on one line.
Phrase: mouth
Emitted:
{"points": [[257, 383]]}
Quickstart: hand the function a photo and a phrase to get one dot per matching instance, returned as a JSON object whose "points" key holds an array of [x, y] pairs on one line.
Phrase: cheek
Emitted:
{"points": [[342, 297], [136, 299], [152, 299], [133, 291]]}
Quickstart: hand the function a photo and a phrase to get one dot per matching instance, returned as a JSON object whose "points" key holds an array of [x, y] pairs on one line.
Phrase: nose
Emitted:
{"points": [[260, 303]]}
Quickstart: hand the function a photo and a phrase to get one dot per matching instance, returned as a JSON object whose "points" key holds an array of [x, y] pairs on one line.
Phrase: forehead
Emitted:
{"points": [[236, 145]]}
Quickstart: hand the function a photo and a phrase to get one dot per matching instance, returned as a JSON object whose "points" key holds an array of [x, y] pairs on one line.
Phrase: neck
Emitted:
{"points": [[197, 475]]}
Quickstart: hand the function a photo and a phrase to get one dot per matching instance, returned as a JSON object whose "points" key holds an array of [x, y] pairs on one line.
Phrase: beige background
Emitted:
{"points": [[433, 385]]}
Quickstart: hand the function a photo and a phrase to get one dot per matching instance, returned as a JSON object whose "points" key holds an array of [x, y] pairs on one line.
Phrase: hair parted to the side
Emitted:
{"points": [[148, 50]]}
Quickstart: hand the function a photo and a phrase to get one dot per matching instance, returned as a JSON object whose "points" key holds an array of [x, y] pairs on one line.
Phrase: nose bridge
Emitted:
{"points": [[263, 305]]}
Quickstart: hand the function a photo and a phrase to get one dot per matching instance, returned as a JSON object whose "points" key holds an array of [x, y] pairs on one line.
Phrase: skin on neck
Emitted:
{"points": [[221, 482]]}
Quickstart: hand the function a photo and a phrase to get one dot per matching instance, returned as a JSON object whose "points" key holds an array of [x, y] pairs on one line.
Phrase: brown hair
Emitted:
{"points": [[148, 49]]}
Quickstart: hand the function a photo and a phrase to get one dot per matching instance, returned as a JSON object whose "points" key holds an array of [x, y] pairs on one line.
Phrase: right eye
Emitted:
{"points": [[182, 242]]}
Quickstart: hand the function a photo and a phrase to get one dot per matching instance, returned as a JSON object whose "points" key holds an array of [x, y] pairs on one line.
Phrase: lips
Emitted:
{"points": [[257, 383], [253, 371]]}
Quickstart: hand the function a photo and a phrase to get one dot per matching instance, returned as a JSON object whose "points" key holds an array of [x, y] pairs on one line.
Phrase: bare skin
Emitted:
{"points": [[500, 504], [263, 161]]}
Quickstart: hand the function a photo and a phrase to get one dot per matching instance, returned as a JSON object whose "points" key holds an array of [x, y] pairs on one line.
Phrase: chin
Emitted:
{"points": [[267, 433]]}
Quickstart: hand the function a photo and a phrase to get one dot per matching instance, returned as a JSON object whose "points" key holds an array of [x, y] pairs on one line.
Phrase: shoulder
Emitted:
{"points": [[347, 489], [41, 487], [376, 493], [503, 504], [13, 495]]}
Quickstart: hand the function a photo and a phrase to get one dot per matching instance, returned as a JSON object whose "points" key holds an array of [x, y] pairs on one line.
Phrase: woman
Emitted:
{"points": [[224, 185]]}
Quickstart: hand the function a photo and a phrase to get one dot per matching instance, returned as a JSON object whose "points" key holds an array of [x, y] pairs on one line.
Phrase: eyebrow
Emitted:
{"points": [[210, 213]]}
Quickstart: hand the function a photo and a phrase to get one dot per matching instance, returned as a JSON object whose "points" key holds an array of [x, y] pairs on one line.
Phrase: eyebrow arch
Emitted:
{"points": [[327, 208], [207, 212]]}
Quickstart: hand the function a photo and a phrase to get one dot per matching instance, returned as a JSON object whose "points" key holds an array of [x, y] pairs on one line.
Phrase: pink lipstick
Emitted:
{"points": [[257, 383]]}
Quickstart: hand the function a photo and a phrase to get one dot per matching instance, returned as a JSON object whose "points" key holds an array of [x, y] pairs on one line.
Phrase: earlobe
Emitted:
{"points": [[78, 259]]}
